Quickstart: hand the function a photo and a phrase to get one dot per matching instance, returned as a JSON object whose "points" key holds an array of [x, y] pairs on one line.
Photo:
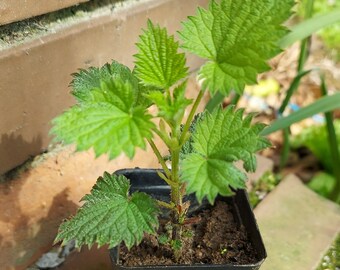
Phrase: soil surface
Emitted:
{"points": [[215, 239]]}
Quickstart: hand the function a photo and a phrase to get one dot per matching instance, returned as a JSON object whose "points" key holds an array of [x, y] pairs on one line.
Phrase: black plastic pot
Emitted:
{"points": [[147, 180]]}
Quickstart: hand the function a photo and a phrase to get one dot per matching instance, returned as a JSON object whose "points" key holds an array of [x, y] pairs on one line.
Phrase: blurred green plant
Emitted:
{"points": [[316, 139], [304, 29], [302, 32], [330, 34], [321, 140], [331, 260], [323, 104], [262, 187], [322, 183], [303, 55]]}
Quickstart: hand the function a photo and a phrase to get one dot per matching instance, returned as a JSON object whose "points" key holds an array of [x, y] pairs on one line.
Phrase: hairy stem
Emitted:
{"points": [[177, 192], [167, 180], [163, 137], [190, 117], [159, 157], [165, 204]]}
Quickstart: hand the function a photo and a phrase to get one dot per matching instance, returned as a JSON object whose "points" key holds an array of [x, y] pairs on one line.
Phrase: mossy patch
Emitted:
{"points": [[331, 260]]}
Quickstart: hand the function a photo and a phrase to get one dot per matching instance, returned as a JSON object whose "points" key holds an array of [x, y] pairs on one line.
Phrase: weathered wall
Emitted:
{"points": [[35, 75], [16, 10]]}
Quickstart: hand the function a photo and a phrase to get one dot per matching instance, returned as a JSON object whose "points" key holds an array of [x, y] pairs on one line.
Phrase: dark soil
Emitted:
{"points": [[215, 239]]}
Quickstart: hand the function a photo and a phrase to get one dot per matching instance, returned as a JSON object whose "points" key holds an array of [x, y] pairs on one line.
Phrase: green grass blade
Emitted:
{"points": [[308, 27], [304, 52], [293, 86], [322, 105], [333, 144], [305, 44]]}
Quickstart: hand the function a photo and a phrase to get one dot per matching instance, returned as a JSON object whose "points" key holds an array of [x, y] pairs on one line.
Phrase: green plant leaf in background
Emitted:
{"points": [[87, 79], [158, 62], [323, 104], [237, 47], [220, 139], [309, 27], [323, 184], [315, 138], [110, 216], [109, 121]]}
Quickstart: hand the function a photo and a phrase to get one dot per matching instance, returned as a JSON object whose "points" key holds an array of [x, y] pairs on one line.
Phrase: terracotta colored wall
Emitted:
{"points": [[16, 10], [34, 76]]}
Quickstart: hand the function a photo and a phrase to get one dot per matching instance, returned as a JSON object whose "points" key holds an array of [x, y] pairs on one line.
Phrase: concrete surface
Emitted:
{"points": [[297, 226]]}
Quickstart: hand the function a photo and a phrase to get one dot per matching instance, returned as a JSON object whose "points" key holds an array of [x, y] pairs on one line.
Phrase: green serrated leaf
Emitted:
{"points": [[110, 216], [158, 62], [237, 37], [109, 122], [219, 139], [171, 109], [88, 79], [116, 92]]}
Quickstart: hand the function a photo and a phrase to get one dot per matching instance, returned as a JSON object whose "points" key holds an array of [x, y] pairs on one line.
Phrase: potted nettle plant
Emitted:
{"points": [[142, 213]]}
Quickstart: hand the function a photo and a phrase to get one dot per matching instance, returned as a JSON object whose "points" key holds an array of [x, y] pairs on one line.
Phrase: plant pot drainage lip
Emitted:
{"points": [[147, 180]]}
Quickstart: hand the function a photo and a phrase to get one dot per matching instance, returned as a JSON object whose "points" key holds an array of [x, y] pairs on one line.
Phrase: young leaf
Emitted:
{"points": [[158, 63], [109, 122], [171, 109], [110, 216], [220, 139], [238, 37], [88, 79]]}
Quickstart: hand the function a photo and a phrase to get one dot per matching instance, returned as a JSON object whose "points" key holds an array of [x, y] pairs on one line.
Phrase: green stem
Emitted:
{"points": [[166, 179], [162, 136], [305, 43], [295, 83], [165, 204], [159, 157], [292, 88], [190, 117], [333, 144], [176, 196]]}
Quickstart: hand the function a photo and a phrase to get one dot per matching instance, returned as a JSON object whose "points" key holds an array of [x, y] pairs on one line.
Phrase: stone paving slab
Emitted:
{"points": [[297, 226]]}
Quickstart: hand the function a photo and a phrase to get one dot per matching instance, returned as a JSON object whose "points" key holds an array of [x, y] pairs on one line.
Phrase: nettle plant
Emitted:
{"points": [[112, 116]]}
